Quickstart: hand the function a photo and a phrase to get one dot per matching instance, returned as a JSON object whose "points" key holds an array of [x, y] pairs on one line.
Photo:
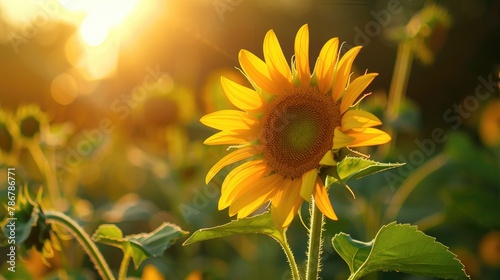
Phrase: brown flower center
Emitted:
{"points": [[297, 130], [29, 126]]}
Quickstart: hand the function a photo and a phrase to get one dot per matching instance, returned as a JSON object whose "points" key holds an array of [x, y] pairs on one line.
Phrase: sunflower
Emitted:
{"points": [[288, 127], [31, 121], [9, 148]]}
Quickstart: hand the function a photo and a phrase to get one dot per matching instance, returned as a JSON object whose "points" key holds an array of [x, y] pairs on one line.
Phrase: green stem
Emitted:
{"points": [[84, 240], [315, 243], [411, 183], [289, 255], [122, 275], [399, 81], [397, 90], [47, 171]]}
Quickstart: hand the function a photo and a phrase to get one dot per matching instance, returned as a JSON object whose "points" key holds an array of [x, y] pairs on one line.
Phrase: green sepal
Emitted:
{"points": [[351, 168]]}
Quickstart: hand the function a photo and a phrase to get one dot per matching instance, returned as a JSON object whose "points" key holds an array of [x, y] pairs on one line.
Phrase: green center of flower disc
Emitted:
{"points": [[301, 134], [297, 130]]}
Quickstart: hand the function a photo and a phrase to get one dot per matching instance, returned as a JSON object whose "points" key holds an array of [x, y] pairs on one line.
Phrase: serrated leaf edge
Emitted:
{"points": [[376, 163], [272, 232], [416, 230]]}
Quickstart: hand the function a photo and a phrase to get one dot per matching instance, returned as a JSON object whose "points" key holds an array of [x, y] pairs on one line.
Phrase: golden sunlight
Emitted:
{"points": [[101, 18]]}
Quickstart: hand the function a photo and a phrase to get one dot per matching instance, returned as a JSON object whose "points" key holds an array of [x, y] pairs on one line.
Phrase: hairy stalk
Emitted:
{"points": [[122, 275], [289, 255], [315, 243], [84, 239]]}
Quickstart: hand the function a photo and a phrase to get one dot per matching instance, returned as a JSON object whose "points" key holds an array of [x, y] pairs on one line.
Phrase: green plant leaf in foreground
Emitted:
{"points": [[351, 168], [256, 224], [401, 248], [140, 246]]}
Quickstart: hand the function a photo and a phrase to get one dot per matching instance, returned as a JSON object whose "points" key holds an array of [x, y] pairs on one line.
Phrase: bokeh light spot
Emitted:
{"points": [[64, 89]]}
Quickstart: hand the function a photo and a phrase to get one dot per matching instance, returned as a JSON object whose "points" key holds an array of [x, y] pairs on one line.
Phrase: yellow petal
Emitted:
{"points": [[229, 120], [240, 154], [255, 195], [239, 178], [357, 118], [257, 72], [286, 203], [323, 201], [232, 137], [343, 71], [354, 89], [276, 61], [367, 137], [341, 139], [242, 97], [302, 55], [308, 181], [328, 159], [325, 65]]}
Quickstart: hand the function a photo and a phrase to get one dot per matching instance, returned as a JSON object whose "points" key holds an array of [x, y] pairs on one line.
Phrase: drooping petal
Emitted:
{"points": [[255, 195], [341, 139], [239, 177], [328, 159], [325, 65], [257, 72], [342, 72], [302, 55], [323, 201], [239, 154], [286, 203], [358, 118], [279, 70], [242, 97], [232, 137], [308, 181], [367, 137], [229, 120], [354, 89]]}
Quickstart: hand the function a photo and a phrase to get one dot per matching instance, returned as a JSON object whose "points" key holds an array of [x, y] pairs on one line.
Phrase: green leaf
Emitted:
{"points": [[108, 233], [156, 242], [353, 252], [139, 246], [257, 224], [351, 168], [401, 248]]}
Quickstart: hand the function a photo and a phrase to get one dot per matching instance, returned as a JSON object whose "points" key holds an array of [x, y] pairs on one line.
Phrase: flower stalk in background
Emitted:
{"points": [[33, 126], [422, 37]]}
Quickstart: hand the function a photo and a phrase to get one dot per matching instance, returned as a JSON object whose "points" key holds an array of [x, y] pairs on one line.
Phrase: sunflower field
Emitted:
{"points": [[240, 139]]}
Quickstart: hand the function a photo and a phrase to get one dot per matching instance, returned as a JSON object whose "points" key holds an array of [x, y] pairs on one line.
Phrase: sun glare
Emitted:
{"points": [[17, 12], [101, 18]]}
